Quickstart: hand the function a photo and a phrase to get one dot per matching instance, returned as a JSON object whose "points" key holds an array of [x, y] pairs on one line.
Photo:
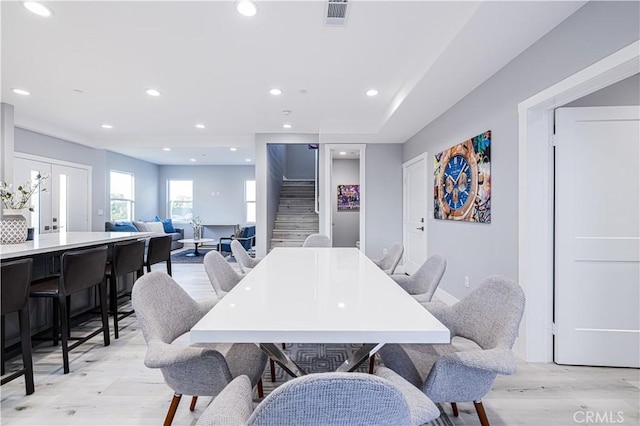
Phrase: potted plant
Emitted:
{"points": [[14, 201]]}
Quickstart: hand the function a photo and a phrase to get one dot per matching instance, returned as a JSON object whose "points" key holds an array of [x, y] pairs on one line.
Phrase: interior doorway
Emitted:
{"points": [[343, 205], [414, 194]]}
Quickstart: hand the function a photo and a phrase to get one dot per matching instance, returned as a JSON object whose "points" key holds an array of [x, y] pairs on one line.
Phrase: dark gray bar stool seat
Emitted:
{"points": [[128, 258], [80, 270], [15, 281]]}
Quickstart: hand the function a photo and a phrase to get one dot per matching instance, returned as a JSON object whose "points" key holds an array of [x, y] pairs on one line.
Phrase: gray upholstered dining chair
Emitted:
{"points": [[424, 282], [222, 276], [389, 261], [317, 240], [246, 262], [489, 316], [165, 312], [325, 399]]}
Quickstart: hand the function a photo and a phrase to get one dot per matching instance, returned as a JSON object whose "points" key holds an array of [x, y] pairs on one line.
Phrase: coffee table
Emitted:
{"points": [[196, 243]]}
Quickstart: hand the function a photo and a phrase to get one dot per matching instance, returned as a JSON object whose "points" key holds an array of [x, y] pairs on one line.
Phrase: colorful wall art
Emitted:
{"points": [[348, 197], [462, 181]]}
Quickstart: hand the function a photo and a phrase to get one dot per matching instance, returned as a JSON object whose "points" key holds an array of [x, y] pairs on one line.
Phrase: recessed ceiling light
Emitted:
{"points": [[20, 92], [246, 7], [275, 91], [193, 160], [303, 91], [166, 149], [233, 149], [343, 153], [38, 8], [372, 92], [286, 112], [247, 159], [200, 126], [106, 126], [153, 92], [78, 91], [287, 126]]}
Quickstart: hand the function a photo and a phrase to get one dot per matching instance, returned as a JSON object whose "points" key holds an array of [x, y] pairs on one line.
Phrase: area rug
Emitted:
{"points": [[316, 358], [181, 257]]}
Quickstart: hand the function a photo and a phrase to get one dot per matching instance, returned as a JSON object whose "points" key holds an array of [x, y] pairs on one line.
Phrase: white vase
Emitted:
{"points": [[13, 227]]}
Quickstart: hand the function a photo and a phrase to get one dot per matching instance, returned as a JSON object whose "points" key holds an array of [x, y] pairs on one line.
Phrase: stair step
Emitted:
{"points": [[292, 234], [292, 217], [286, 243], [296, 209], [297, 201], [298, 182], [296, 226]]}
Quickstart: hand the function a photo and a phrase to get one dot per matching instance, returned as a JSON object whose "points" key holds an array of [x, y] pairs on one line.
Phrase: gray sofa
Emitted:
{"points": [[122, 226]]}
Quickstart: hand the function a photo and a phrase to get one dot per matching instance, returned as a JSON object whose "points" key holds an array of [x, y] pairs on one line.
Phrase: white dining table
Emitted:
{"points": [[318, 295]]}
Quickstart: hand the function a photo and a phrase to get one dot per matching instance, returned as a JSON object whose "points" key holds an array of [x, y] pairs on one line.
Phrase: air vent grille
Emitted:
{"points": [[336, 12]]}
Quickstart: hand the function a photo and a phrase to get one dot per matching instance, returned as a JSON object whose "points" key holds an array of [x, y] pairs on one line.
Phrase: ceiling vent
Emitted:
{"points": [[336, 12]]}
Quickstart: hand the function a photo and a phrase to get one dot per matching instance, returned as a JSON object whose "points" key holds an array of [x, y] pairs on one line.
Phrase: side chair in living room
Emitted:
{"points": [[424, 282], [317, 240], [165, 312], [489, 318]]}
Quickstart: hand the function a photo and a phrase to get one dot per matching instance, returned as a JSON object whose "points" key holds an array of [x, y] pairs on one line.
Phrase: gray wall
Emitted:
{"points": [[383, 214], [622, 93], [46, 146], [592, 33], [218, 195], [276, 165], [346, 224], [146, 184], [300, 162]]}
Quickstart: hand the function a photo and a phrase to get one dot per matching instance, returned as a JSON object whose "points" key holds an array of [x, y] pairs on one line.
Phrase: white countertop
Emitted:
{"points": [[60, 241], [318, 295]]}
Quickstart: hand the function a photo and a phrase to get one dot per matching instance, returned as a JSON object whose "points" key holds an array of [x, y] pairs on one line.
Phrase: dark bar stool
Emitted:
{"points": [[159, 251], [80, 270], [15, 281], [128, 257]]}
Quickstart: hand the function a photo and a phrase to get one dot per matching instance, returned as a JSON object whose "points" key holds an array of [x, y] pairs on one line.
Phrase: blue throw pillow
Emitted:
{"points": [[124, 227], [167, 224]]}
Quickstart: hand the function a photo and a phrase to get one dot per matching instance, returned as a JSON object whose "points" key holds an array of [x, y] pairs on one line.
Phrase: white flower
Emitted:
{"points": [[19, 198]]}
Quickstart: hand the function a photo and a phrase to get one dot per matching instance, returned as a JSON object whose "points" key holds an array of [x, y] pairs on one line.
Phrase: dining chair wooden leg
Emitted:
{"points": [[25, 342], [284, 346], [2, 343], [260, 390], [272, 366], [193, 403], [102, 288], [56, 321], [372, 363], [172, 409], [113, 303], [454, 407], [482, 415]]}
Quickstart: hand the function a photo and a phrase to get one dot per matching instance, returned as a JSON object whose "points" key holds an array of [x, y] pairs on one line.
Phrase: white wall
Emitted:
{"points": [[623, 93], [593, 32], [145, 176], [218, 194], [346, 224], [46, 146]]}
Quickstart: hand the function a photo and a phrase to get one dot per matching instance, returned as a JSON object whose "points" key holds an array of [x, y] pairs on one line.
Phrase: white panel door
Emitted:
{"points": [[63, 200], [415, 213], [597, 244]]}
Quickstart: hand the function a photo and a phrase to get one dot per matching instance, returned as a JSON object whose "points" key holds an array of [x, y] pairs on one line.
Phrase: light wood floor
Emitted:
{"points": [[110, 385]]}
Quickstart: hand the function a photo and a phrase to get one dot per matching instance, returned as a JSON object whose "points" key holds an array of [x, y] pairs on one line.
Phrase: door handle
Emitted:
{"points": [[421, 228]]}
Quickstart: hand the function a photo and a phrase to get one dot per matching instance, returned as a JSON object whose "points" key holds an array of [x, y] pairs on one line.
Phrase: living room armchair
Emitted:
{"points": [[245, 236]]}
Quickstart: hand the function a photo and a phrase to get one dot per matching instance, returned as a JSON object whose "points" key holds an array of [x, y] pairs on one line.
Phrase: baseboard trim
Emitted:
{"points": [[446, 297]]}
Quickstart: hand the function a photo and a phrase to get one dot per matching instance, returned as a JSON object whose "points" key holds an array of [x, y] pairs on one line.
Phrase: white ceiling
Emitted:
{"points": [[214, 66]]}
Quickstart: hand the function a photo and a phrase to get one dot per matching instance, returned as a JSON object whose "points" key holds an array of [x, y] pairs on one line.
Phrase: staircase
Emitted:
{"points": [[296, 217]]}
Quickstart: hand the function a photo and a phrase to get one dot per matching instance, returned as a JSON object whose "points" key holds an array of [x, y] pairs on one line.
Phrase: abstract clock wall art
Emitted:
{"points": [[348, 197], [462, 181]]}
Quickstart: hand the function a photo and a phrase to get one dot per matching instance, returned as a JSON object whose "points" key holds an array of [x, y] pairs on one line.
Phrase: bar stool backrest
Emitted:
{"points": [[159, 249], [82, 269], [128, 257], [16, 279]]}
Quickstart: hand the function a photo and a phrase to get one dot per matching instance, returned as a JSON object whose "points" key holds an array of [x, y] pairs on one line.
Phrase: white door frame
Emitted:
{"points": [[424, 156], [535, 193], [326, 201]]}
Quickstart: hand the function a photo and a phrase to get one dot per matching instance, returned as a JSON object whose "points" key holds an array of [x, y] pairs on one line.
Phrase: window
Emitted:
{"points": [[122, 197], [250, 200], [181, 200]]}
